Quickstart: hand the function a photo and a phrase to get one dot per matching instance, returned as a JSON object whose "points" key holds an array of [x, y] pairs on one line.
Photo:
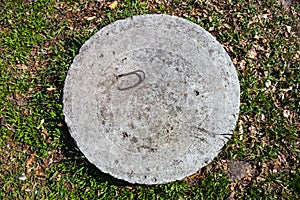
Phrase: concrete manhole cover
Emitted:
{"points": [[151, 99]]}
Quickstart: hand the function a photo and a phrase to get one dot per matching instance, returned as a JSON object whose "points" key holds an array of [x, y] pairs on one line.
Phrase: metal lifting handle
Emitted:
{"points": [[139, 73]]}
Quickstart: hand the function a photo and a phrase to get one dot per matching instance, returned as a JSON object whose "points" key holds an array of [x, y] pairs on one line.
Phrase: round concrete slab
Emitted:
{"points": [[151, 99]]}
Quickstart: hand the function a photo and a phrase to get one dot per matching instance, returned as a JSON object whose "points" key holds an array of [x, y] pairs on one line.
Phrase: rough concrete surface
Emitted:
{"points": [[151, 99]]}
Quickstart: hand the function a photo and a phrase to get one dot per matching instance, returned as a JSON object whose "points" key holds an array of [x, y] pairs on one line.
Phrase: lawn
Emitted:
{"points": [[39, 159]]}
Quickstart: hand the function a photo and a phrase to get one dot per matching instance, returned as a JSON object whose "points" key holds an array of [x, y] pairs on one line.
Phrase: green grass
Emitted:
{"points": [[39, 39]]}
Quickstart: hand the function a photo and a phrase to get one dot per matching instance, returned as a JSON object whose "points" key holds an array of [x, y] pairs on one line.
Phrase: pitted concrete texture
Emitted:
{"points": [[151, 99]]}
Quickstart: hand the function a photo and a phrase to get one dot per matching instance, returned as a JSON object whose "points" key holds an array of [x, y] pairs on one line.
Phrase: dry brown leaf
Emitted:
{"points": [[288, 28], [231, 196], [51, 88], [90, 18], [286, 3], [243, 65], [252, 130], [22, 178], [113, 5], [16, 96], [227, 26], [286, 113], [45, 132], [268, 83], [210, 19], [22, 67], [30, 160], [252, 53], [263, 117], [28, 163], [264, 16]]}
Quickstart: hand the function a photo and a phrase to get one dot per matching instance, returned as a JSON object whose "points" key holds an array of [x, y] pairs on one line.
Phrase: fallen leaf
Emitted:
{"points": [[286, 3], [227, 26], [286, 113], [51, 88], [288, 28], [264, 16], [252, 53], [231, 196], [243, 64], [90, 18], [268, 83], [30, 160], [113, 5], [45, 132], [252, 130], [22, 67], [71, 27], [263, 117], [16, 96], [21, 178]]}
